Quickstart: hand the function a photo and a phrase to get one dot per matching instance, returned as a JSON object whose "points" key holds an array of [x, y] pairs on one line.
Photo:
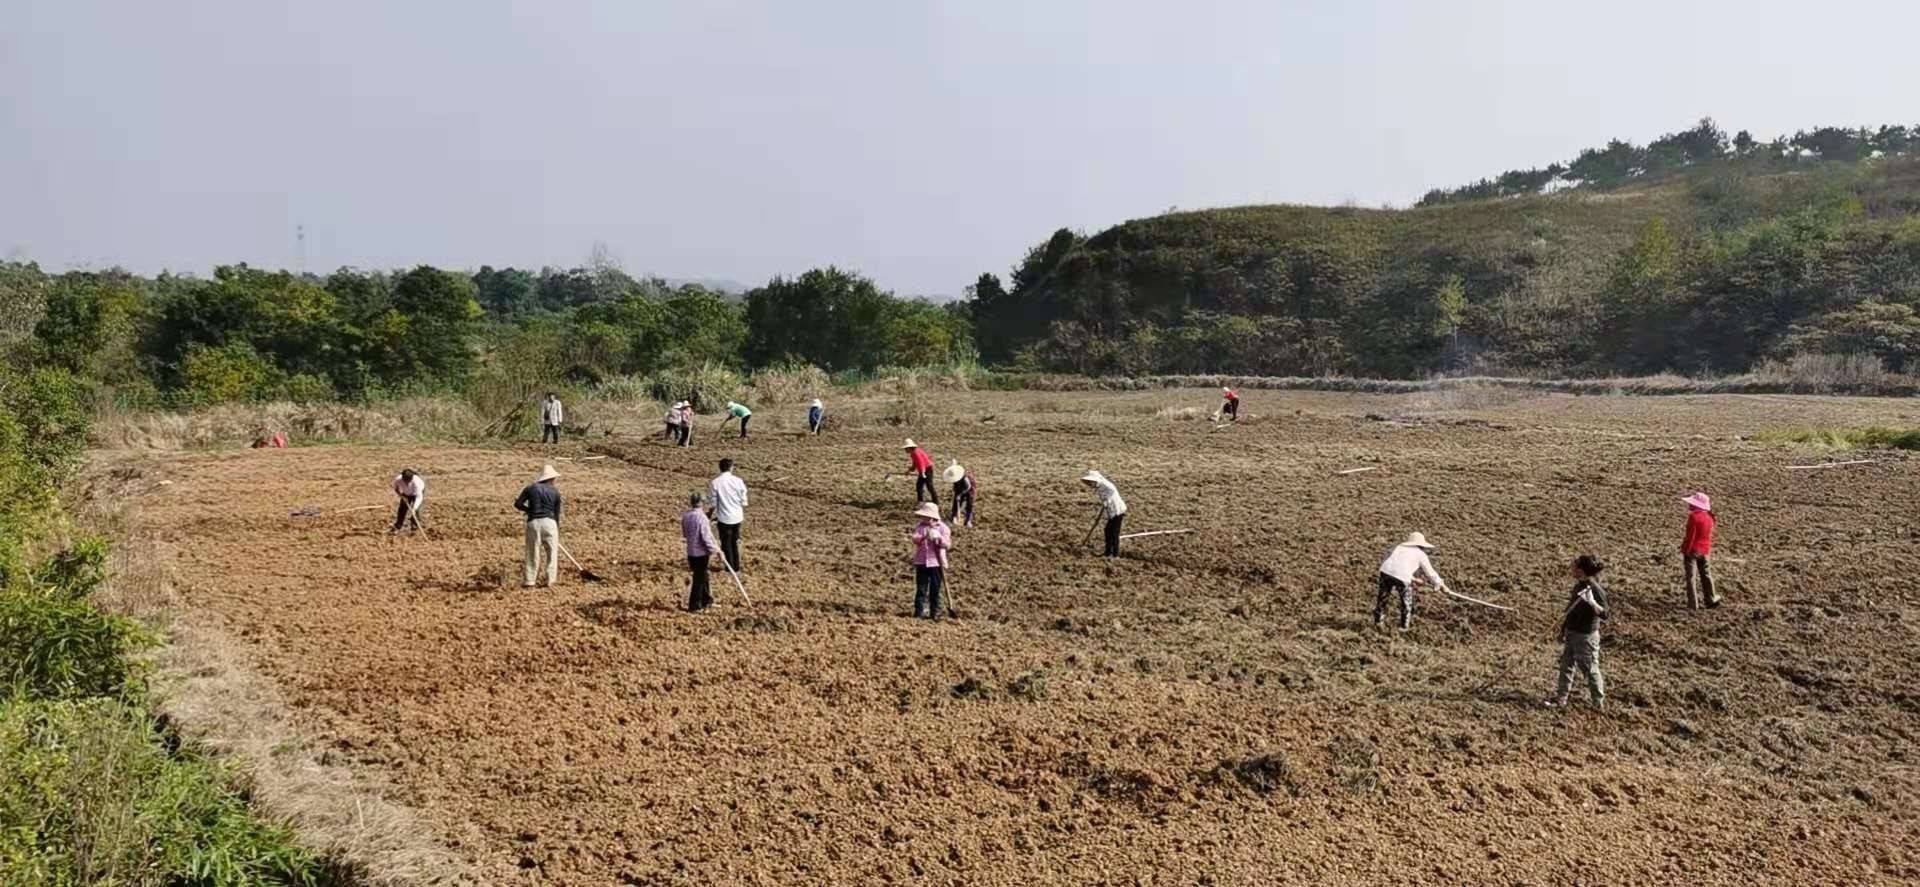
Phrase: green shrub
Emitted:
{"points": [[709, 386], [56, 646], [230, 372]]}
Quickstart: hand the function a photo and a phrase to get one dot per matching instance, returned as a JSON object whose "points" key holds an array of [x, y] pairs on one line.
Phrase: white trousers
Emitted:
{"points": [[543, 531]]}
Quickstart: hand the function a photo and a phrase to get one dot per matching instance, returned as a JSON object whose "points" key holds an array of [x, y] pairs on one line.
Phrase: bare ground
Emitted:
{"points": [[1213, 708]]}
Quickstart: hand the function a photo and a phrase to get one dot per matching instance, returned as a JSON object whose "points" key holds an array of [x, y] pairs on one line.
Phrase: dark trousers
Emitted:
{"points": [[923, 488], [926, 590], [1230, 409], [672, 431], [743, 425], [962, 501], [1697, 563], [813, 420], [1113, 535], [700, 596], [401, 515], [1389, 589], [730, 543], [686, 434], [549, 434]]}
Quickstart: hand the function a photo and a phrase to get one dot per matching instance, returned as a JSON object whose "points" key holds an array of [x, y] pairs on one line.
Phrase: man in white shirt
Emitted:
{"points": [[1397, 577], [729, 496], [551, 415], [411, 487]]}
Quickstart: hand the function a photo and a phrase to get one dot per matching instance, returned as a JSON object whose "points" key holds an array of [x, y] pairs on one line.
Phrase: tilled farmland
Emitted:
{"points": [[1214, 707]]}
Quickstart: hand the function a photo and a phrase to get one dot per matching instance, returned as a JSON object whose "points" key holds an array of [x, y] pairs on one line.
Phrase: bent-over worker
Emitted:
{"points": [[729, 495], [672, 430], [1230, 404], [931, 540], [1404, 566], [921, 465], [412, 490], [700, 548], [1113, 509], [1695, 547], [963, 491], [816, 413], [540, 502], [737, 411], [1580, 633]]}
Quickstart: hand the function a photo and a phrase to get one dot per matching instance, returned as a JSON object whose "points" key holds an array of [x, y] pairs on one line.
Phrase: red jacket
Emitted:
{"points": [[921, 461], [1699, 533]]}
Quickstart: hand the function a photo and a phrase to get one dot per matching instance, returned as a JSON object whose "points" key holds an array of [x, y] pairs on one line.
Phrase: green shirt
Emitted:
{"points": [[738, 410]]}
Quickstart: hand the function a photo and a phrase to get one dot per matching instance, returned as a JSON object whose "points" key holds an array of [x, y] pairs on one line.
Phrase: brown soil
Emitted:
{"points": [[1213, 708]]}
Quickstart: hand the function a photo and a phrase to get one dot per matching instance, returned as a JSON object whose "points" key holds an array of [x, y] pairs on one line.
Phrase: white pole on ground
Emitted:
{"points": [[1152, 533]]}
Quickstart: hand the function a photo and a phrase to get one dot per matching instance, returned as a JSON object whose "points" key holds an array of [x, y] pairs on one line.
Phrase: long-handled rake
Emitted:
{"points": [[413, 516], [736, 579], [585, 573]]}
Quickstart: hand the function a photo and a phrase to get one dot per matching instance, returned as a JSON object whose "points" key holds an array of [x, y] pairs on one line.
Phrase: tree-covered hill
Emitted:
{"points": [[1708, 259]]}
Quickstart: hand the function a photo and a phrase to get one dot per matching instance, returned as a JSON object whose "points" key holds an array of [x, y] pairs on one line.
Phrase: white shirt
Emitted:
{"points": [[417, 487], [1404, 560], [551, 412], [1110, 502], [729, 498]]}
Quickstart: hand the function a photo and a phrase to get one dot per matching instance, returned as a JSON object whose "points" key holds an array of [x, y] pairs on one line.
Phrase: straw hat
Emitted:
{"points": [[909, 444], [954, 472], [1418, 540], [1700, 500], [927, 509], [546, 474], [681, 404], [1225, 390], [816, 402], [1092, 477]]}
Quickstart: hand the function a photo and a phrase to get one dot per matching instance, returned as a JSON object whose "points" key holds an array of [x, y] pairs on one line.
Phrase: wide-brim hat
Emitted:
{"points": [[1092, 477], [678, 404], [927, 509], [1418, 540], [909, 444], [546, 474], [1701, 501], [816, 402], [953, 473], [1225, 390]]}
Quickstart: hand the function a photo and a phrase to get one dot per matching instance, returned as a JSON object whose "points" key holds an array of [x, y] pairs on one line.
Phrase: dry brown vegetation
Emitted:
{"points": [[1214, 707]]}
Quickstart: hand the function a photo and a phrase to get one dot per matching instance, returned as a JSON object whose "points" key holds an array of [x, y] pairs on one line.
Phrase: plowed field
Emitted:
{"points": [[1213, 708]]}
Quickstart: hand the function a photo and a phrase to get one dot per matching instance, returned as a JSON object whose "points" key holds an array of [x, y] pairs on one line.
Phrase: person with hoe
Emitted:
{"points": [[1694, 548], [551, 415], [1404, 567], [685, 408], [737, 411], [412, 490], [963, 490], [1230, 404], [540, 502], [729, 495], [921, 465], [931, 540], [673, 432], [1580, 633], [816, 413], [1113, 509], [700, 548]]}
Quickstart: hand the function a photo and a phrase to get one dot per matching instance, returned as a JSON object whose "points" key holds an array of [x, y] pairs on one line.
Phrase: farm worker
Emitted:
{"points": [[1230, 405], [737, 411], [963, 488], [921, 465], [1398, 575], [1695, 547], [931, 539], [700, 548], [1113, 509], [1580, 633], [672, 430], [412, 490], [686, 424], [815, 413], [540, 502], [729, 495], [551, 415]]}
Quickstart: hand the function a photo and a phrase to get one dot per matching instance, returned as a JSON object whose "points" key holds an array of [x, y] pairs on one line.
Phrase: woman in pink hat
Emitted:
{"points": [[931, 539], [1695, 547]]}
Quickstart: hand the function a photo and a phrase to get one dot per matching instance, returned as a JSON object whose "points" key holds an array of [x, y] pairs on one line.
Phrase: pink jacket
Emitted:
{"points": [[931, 539]]}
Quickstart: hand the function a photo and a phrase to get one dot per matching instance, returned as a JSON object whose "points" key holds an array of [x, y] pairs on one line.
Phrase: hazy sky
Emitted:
{"points": [[918, 142]]}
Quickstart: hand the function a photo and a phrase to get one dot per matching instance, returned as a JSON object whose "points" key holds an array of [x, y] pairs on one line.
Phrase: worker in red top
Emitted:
{"points": [[1230, 405], [922, 472], [1695, 548]]}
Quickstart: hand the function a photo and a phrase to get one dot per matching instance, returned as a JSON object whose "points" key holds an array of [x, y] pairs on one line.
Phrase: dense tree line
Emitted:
{"points": [[247, 333], [1708, 273]]}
